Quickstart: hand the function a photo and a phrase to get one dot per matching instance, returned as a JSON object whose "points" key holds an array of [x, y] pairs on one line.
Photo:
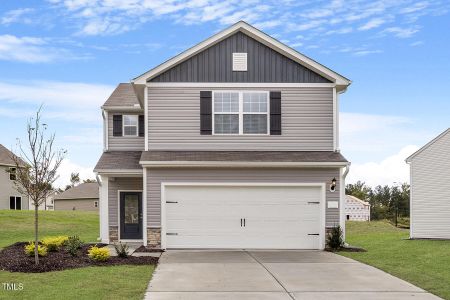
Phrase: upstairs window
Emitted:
{"points": [[12, 174], [241, 112], [130, 125]]}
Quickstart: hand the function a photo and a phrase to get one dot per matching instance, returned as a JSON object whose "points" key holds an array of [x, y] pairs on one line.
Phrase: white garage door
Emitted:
{"points": [[252, 217]]}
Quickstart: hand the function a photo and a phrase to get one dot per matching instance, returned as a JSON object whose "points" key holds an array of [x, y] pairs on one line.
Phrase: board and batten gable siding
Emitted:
{"points": [[430, 202], [306, 116], [317, 175], [123, 184], [264, 64], [78, 204], [7, 190], [123, 143]]}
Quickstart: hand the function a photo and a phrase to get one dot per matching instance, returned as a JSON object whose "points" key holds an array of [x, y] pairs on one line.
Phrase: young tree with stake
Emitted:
{"points": [[36, 169]]}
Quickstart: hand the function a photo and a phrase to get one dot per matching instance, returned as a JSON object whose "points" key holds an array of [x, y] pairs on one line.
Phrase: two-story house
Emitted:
{"points": [[231, 144], [10, 198]]}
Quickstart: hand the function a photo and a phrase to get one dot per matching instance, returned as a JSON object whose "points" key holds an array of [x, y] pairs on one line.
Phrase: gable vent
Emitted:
{"points": [[239, 61]]}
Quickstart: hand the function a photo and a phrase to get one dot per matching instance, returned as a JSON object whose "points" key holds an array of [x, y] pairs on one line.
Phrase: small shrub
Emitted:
{"points": [[53, 243], [29, 249], [73, 244], [98, 254], [121, 249], [335, 239]]}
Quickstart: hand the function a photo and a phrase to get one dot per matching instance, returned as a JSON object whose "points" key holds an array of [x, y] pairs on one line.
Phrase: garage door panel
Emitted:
{"points": [[278, 217]]}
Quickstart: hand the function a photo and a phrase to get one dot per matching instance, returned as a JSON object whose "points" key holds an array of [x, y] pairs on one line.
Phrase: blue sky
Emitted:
{"points": [[70, 54]]}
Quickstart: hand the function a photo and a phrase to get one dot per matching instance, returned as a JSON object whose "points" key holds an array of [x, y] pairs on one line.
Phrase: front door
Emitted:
{"points": [[130, 215]]}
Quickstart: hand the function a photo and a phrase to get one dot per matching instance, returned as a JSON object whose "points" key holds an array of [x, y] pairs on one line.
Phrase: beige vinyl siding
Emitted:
{"points": [[7, 190], [318, 175], [174, 121], [123, 143], [123, 184], [430, 177], [78, 204]]}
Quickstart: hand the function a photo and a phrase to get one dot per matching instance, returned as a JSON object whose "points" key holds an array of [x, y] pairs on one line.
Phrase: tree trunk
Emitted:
{"points": [[36, 240]]}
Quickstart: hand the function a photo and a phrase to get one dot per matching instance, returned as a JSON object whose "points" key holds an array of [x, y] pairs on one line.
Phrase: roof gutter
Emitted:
{"points": [[227, 164]]}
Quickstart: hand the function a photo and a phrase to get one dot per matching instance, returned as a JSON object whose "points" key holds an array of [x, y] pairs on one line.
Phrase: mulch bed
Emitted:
{"points": [[14, 259], [148, 250], [347, 249]]}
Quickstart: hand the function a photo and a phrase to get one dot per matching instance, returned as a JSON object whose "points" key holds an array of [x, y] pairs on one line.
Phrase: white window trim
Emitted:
{"points": [[137, 125], [241, 113], [15, 202]]}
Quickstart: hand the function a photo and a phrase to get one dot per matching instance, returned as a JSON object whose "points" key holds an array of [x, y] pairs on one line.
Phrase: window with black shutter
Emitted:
{"points": [[275, 113], [117, 125], [141, 125], [205, 112]]}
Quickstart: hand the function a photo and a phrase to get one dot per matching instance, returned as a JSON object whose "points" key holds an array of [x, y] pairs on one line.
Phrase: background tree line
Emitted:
{"points": [[386, 202]]}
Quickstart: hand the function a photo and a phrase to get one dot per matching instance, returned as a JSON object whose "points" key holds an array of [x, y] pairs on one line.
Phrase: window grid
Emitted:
{"points": [[241, 111], [130, 125]]}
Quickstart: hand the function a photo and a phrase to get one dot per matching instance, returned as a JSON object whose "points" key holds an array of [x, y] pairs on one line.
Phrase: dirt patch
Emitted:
{"points": [[148, 250], [14, 259]]}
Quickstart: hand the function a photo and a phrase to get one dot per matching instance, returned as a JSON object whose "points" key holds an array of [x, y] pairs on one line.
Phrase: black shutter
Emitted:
{"points": [[205, 112], [275, 113], [141, 125], [117, 125]]}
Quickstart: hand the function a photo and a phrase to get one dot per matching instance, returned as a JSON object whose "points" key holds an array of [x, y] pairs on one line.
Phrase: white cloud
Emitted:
{"points": [[377, 146], [415, 7], [418, 43], [373, 23], [366, 52], [67, 167], [16, 16], [32, 50], [402, 32], [62, 100], [387, 171]]}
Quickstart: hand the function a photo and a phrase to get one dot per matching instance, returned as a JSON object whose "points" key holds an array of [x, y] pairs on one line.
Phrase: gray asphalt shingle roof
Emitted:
{"points": [[125, 160], [5, 157], [123, 95], [81, 191], [129, 160], [244, 156]]}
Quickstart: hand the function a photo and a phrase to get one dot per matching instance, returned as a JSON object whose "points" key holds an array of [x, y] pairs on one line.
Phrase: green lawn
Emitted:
{"points": [[424, 263], [118, 282], [18, 226]]}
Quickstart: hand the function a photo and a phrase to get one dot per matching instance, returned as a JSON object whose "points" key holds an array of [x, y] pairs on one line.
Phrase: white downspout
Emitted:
{"points": [[342, 204]]}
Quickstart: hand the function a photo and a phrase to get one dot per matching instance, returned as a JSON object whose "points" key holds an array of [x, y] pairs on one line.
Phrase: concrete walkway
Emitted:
{"points": [[278, 275]]}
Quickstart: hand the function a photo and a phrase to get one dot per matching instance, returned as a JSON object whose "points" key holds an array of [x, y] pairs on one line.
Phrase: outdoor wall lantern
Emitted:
{"points": [[333, 185]]}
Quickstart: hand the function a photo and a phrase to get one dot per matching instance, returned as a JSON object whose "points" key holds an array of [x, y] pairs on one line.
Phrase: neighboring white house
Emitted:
{"points": [[356, 209], [10, 198], [430, 196]]}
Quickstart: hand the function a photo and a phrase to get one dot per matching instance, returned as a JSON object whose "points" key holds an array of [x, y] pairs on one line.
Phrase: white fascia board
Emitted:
{"points": [[119, 172], [227, 164], [257, 35], [408, 160], [240, 85], [122, 108]]}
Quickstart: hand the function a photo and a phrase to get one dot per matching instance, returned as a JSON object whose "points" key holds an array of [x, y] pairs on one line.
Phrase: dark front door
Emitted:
{"points": [[131, 215]]}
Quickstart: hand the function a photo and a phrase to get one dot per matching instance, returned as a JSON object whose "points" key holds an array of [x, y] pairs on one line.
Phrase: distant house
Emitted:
{"points": [[430, 197], [10, 198], [356, 209], [80, 197]]}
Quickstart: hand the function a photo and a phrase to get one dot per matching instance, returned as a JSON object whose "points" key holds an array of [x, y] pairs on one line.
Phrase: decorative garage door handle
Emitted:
{"points": [[171, 201], [313, 202], [242, 222]]}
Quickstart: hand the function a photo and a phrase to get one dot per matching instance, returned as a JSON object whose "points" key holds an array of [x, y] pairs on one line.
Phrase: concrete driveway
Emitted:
{"points": [[278, 275]]}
